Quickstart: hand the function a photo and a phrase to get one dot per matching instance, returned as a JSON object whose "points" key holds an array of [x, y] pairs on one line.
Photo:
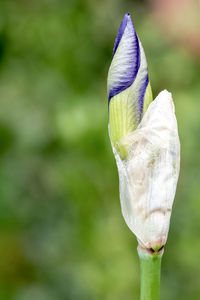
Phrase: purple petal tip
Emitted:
{"points": [[126, 19], [125, 78]]}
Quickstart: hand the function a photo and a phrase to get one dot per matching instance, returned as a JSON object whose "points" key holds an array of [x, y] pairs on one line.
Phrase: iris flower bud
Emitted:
{"points": [[145, 142], [129, 90]]}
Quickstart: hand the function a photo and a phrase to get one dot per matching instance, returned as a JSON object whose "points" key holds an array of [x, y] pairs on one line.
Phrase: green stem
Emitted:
{"points": [[150, 265]]}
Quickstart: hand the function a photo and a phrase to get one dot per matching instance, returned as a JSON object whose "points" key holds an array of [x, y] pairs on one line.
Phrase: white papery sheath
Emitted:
{"points": [[148, 177]]}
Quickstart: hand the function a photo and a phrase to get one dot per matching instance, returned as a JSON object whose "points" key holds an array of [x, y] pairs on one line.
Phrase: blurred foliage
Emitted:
{"points": [[62, 235]]}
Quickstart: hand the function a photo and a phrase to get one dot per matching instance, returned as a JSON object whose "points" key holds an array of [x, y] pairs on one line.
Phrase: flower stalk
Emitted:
{"points": [[150, 269]]}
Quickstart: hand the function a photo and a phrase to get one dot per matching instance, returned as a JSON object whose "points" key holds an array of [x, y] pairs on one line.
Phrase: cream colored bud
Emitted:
{"points": [[149, 175]]}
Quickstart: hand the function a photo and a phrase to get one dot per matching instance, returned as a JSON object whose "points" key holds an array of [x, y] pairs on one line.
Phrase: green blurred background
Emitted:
{"points": [[62, 235]]}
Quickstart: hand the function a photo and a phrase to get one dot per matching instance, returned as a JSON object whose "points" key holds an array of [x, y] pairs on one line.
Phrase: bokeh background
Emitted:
{"points": [[62, 235]]}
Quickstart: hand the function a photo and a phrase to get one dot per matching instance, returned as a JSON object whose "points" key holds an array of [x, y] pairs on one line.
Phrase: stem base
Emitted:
{"points": [[150, 266]]}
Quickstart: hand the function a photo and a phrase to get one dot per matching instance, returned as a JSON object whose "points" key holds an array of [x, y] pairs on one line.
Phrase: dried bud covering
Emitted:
{"points": [[149, 175]]}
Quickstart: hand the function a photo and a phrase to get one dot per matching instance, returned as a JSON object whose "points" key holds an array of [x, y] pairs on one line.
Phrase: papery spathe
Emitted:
{"points": [[149, 175]]}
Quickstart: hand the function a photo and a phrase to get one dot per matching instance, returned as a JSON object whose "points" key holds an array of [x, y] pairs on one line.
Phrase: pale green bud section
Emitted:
{"points": [[123, 119], [124, 116]]}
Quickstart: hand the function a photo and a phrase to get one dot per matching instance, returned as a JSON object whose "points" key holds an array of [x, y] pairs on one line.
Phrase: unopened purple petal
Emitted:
{"points": [[144, 83], [121, 32], [123, 73]]}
